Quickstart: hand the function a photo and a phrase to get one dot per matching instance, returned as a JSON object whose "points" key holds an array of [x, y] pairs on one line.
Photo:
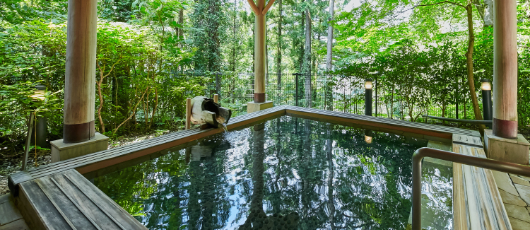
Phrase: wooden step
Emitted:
{"points": [[67, 200]]}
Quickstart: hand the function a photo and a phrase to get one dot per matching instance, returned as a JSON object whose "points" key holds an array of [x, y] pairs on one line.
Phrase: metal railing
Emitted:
{"points": [[486, 163]]}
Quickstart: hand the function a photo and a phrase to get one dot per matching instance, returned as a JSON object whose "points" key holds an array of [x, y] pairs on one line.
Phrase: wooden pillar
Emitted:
{"points": [[188, 113], [260, 55], [80, 76], [505, 69]]}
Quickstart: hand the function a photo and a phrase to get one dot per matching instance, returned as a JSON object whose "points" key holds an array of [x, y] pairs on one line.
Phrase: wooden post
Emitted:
{"points": [[216, 98], [260, 55], [80, 74], [188, 113], [28, 139], [505, 69]]}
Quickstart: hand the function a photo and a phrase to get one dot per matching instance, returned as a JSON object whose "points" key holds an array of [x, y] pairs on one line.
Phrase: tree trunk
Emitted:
{"points": [[307, 58], [329, 67], [180, 31], [469, 57], [234, 61]]}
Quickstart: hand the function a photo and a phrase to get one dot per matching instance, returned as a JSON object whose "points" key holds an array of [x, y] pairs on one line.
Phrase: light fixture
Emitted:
{"points": [[368, 97], [487, 106], [39, 93], [368, 136], [486, 84], [368, 84], [368, 139]]}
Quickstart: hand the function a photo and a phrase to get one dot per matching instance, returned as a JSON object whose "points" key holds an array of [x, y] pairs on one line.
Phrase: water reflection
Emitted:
{"points": [[289, 173]]}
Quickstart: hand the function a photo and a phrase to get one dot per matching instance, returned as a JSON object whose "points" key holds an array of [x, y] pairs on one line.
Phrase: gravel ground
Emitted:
{"points": [[13, 163]]}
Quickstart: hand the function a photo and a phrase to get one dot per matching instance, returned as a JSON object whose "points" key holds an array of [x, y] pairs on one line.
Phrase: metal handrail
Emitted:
{"points": [[486, 122], [486, 163]]}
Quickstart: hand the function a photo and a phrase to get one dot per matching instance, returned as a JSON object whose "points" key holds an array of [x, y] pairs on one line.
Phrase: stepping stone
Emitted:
{"points": [[4, 198], [8, 213], [524, 191], [519, 180], [15, 225], [508, 198], [518, 212], [504, 182], [519, 224]]}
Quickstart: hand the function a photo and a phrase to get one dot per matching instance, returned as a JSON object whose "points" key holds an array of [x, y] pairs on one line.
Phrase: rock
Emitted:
{"points": [[524, 191], [518, 180], [508, 198], [517, 212], [519, 224], [504, 182]]}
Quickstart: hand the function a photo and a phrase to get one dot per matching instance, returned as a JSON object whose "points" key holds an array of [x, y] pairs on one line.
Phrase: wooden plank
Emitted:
{"points": [[459, 201], [384, 120], [83, 203], [346, 121], [106, 204], [15, 225], [467, 140], [64, 205], [43, 211], [9, 213], [477, 203]]}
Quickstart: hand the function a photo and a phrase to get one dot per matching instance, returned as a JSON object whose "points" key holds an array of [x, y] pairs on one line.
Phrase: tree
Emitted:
{"points": [[469, 54]]}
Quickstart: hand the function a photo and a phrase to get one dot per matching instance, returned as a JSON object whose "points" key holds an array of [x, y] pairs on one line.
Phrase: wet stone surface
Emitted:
{"points": [[515, 194]]}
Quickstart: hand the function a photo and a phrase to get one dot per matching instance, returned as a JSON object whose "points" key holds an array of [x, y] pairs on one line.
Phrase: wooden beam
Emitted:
{"points": [[505, 69], [267, 7], [253, 6]]}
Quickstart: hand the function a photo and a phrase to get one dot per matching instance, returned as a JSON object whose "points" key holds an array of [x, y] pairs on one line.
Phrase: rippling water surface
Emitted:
{"points": [[287, 173]]}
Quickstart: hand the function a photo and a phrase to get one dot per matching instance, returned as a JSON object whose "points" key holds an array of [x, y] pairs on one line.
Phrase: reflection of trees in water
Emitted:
{"points": [[356, 185], [257, 219], [166, 193], [304, 174]]}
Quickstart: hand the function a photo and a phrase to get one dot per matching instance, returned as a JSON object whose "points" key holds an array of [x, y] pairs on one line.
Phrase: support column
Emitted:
{"points": [[505, 69], [503, 142], [79, 136], [80, 79], [260, 55]]}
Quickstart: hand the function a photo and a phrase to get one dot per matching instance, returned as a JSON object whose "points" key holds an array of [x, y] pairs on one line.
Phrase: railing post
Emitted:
{"points": [[296, 89], [456, 97]]}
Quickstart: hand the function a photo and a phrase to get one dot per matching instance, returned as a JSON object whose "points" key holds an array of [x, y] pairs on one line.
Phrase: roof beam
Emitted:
{"points": [[267, 7]]}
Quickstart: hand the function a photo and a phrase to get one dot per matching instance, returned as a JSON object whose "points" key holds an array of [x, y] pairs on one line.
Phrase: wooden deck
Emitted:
{"points": [[67, 200], [477, 203], [58, 195]]}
